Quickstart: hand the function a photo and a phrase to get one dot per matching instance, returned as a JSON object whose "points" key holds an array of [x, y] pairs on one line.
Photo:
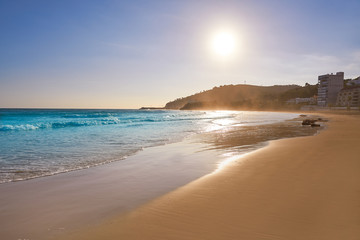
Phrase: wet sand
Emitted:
{"points": [[46, 207], [298, 188]]}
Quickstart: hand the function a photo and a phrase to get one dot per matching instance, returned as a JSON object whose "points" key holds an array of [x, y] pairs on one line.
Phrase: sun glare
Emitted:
{"points": [[224, 44]]}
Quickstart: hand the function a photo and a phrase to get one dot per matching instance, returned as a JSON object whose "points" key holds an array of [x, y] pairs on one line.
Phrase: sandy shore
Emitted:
{"points": [[299, 188], [45, 207]]}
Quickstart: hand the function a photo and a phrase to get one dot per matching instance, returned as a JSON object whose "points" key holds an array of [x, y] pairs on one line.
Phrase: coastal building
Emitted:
{"points": [[310, 100], [349, 97], [353, 82], [329, 87]]}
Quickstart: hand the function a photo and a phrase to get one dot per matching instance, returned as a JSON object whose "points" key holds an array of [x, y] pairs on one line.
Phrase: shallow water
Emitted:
{"points": [[41, 142], [45, 207]]}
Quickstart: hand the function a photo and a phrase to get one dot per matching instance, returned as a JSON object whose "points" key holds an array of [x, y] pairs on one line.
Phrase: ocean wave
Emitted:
{"points": [[94, 115], [18, 127], [79, 123], [27, 127], [93, 119]]}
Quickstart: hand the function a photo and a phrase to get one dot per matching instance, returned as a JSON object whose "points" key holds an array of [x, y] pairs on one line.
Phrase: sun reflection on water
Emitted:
{"points": [[222, 120]]}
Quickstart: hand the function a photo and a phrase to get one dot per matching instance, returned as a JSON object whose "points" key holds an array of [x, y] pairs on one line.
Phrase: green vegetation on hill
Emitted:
{"points": [[243, 97], [300, 92]]}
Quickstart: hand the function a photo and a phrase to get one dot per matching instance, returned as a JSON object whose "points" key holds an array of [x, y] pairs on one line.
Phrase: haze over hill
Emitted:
{"points": [[245, 97]]}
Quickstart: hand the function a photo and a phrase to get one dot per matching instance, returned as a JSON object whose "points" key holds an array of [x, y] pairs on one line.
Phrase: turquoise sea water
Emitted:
{"points": [[38, 142]]}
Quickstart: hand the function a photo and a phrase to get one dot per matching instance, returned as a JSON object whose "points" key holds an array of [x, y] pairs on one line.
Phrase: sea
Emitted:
{"points": [[42, 142]]}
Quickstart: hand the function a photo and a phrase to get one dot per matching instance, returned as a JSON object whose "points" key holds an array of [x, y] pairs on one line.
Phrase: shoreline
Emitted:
{"points": [[44, 207], [262, 195], [22, 173], [124, 157]]}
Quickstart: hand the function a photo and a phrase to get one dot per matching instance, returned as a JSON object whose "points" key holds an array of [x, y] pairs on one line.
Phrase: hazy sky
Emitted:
{"points": [[128, 54]]}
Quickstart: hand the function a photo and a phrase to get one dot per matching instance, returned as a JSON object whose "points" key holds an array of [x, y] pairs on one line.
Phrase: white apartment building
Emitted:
{"points": [[329, 87]]}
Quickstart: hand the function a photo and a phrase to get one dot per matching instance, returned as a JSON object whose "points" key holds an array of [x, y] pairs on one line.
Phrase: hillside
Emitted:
{"points": [[243, 97], [299, 92]]}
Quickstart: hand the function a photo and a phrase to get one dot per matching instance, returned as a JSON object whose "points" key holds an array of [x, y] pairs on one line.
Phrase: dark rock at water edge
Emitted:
{"points": [[308, 121]]}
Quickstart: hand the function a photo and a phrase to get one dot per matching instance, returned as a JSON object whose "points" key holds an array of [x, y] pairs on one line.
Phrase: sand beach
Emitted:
{"points": [[179, 120], [298, 188], [304, 187]]}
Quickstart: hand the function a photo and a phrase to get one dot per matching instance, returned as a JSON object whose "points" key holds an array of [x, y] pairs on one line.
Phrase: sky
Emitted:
{"points": [[129, 54]]}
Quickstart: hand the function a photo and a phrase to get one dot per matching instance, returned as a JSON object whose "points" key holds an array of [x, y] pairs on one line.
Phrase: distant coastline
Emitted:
{"points": [[151, 108]]}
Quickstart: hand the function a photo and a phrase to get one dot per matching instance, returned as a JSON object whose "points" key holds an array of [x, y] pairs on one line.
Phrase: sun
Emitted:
{"points": [[224, 43]]}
